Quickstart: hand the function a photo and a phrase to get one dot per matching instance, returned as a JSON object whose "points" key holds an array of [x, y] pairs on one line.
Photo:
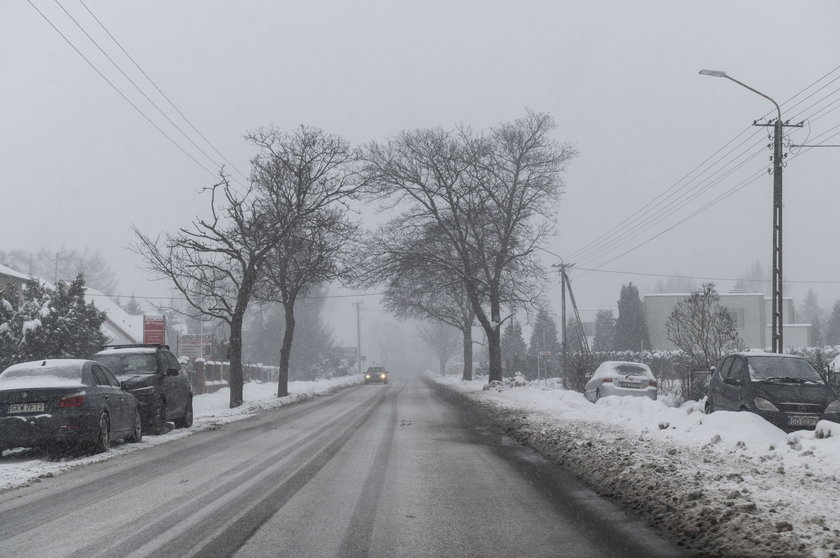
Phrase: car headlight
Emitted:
{"points": [[367, 376], [833, 407], [382, 376], [763, 405]]}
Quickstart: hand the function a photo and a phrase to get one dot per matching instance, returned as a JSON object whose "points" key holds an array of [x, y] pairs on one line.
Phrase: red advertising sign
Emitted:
{"points": [[154, 329]]}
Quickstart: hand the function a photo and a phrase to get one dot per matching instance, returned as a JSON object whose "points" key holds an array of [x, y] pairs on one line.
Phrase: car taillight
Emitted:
{"points": [[652, 383], [73, 400], [606, 381]]}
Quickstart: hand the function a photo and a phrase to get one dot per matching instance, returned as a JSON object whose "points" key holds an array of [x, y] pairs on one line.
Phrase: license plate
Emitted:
{"points": [[26, 408], [629, 385], [803, 421]]}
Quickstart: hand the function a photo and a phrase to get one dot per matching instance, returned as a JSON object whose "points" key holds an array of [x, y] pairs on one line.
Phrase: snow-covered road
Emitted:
{"points": [[720, 484]]}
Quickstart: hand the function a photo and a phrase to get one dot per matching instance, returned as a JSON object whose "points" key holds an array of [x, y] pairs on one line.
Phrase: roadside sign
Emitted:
{"points": [[154, 329]]}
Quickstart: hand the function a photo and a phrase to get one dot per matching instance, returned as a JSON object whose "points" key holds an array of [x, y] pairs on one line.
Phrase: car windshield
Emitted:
{"points": [[129, 364], [782, 368]]}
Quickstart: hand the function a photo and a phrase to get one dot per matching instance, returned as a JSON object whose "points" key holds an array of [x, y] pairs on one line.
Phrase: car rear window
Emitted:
{"points": [[631, 369], [39, 376]]}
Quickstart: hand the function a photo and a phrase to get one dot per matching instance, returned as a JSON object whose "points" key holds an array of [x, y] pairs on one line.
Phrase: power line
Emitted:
{"points": [[657, 210], [159, 90], [120, 93]]}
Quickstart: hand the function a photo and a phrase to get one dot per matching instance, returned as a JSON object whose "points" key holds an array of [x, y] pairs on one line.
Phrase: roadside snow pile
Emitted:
{"points": [[722, 484], [26, 466]]}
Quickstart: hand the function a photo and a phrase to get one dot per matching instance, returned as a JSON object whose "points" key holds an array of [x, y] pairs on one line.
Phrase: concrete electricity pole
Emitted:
{"points": [[778, 125]]}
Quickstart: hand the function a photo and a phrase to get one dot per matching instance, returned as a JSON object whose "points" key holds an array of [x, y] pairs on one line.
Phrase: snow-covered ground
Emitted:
{"points": [[725, 484], [22, 467]]}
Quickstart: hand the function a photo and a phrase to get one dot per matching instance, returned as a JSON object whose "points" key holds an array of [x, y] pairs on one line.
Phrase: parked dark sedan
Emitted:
{"points": [[783, 389], [69, 402]]}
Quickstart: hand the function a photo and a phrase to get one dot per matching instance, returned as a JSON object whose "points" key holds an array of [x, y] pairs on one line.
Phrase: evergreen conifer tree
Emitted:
{"points": [[631, 332], [513, 347], [604, 331]]}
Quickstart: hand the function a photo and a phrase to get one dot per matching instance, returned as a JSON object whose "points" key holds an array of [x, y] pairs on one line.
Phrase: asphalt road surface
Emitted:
{"points": [[379, 470]]}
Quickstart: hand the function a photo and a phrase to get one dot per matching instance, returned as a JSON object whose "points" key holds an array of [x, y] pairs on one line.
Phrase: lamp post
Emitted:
{"points": [[777, 345]]}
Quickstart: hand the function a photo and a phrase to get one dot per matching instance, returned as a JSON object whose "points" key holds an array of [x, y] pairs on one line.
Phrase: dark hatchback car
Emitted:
{"points": [[376, 374], [65, 402], [153, 375], [785, 390]]}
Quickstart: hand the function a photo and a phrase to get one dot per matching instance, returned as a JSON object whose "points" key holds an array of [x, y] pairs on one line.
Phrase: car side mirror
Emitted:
{"points": [[712, 369], [123, 386], [587, 375]]}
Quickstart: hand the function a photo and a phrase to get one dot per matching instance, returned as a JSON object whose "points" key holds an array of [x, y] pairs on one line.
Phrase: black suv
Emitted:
{"points": [[153, 374], [783, 389], [376, 374]]}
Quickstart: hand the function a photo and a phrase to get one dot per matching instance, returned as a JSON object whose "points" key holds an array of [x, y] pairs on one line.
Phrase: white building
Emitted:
{"points": [[751, 313]]}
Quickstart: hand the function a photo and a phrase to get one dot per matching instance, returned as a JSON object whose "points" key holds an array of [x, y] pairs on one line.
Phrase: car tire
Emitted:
{"points": [[103, 435], [158, 420], [136, 435], [185, 420]]}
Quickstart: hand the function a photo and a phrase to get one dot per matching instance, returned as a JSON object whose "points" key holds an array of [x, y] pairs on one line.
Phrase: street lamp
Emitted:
{"points": [[777, 212]]}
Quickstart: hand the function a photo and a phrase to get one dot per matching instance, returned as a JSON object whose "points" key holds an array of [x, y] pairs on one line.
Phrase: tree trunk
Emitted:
{"points": [[468, 354], [494, 339], [235, 358], [442, 365], [286, 350]]}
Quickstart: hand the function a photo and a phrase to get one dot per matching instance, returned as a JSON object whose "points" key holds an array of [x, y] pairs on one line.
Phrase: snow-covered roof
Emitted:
{"points": [[120, 327], [9, 272]]}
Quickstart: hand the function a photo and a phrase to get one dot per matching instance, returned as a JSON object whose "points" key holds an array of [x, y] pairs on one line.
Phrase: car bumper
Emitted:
{"points": [[612, 389], [790, 422], [46, 429]]}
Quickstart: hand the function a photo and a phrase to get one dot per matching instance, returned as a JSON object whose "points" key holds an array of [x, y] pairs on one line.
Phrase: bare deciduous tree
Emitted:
{"points": [[420, 284], [215, 264], [702, 328], [493, 195], [438, 337], [311, 255]]}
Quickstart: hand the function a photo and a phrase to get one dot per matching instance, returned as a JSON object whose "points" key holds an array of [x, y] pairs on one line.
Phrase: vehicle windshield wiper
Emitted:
{"points": [[787, 379]]}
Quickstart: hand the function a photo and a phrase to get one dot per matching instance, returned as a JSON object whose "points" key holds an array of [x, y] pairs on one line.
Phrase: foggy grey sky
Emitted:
{"points": [[80, 166]]}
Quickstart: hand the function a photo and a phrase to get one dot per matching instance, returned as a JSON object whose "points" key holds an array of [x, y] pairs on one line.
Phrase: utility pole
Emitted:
{"points": [[778, 157], [582, 342], [358, 305]]}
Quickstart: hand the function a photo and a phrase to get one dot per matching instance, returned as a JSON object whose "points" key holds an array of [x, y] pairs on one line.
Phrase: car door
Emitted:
{"points": [[732, 388], [172, 386], [113, 397], [716, 384]]}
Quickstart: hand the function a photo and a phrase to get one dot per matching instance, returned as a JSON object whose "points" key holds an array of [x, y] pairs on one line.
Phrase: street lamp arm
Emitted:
{"points": [[716, 73]]}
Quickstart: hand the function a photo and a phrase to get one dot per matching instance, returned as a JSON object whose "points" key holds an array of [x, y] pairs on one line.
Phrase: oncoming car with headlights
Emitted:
{"points": [[376, 375]]}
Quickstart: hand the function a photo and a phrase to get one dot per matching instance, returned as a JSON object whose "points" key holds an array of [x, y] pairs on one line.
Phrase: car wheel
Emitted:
{"points": [[136, 435], [158, 420], [185, 420], [103, 435]]}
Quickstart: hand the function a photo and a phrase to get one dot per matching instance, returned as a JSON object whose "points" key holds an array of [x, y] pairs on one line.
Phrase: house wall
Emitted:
{"points": [[747, 311]]}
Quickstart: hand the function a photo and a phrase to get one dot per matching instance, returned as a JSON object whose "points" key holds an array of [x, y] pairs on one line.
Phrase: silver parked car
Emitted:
{"points": [[621, 378]]}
